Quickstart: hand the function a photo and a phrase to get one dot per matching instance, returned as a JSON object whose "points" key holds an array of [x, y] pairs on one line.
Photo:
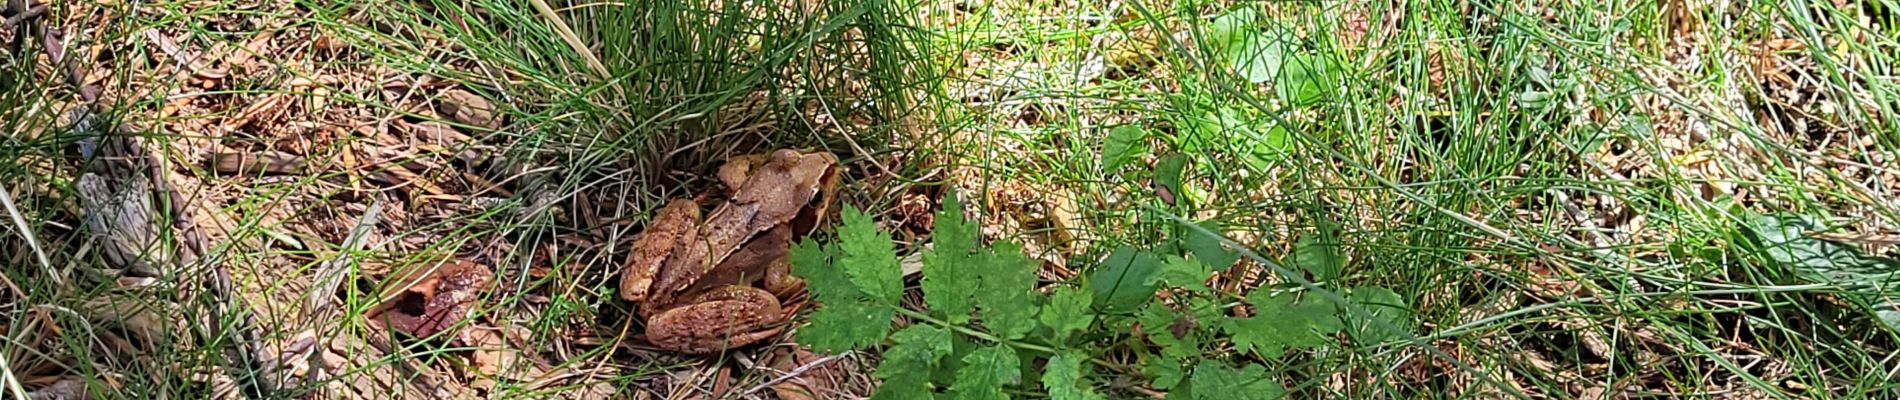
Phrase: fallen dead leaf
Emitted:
{"points": [[433, 297]]}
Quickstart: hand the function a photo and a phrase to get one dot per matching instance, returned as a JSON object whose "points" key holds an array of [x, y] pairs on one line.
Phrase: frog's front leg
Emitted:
{"points": [[716, 320], [673, 224]]}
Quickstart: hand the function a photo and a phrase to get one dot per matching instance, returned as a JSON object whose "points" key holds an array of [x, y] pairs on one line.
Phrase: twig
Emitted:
{"points": [[794, 373], [35, 11]]}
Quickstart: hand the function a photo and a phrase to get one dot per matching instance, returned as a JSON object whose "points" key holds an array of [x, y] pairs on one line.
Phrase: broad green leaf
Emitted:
{"points": [[985, 372], [1169, 173], [1376, 311], [1304, 79], [1008, 279], [914, 352], [1120, 284], [1208, 248], [1257, 57], [838, 327], [1231, 28], [868, 259], [947, 286], [1872, 282], [1251, 53], [1213, 381], [1067, 313], [1320, 258], [1183, 273], [1063, 378], [1124, 143], [1279, 324], [1273, 145]]}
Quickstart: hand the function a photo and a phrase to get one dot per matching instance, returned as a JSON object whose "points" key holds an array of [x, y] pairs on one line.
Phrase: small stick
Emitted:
{"points": [[794, 373]]}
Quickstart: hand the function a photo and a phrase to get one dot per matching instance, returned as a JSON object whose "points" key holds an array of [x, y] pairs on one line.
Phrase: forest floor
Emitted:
{"points": [[1571, 199]]}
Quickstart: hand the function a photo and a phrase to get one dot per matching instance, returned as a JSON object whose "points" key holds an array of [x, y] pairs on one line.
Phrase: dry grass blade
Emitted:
{"points": [[26, 233]]}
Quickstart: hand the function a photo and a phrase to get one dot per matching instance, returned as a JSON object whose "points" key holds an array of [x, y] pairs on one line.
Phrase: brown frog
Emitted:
{"points": [[705, 286]]}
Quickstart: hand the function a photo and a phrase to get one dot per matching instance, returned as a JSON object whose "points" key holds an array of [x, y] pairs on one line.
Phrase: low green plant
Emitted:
{"points": [[986, 329]]}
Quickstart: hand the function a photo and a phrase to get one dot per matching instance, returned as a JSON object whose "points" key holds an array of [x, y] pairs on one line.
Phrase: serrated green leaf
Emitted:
{"points": [[1163, 372], [1123, 144], [985, 372], [844, 326], [1007, 278], [914, 352], [826, 282], [1207, 248], [1176, 333], [952, 233], [1279, 324], [1181, 272], [1321, 259], [1063, 378], [1213, 381], [867, 257], [905, 388], [1067, 312], [1376, 310], [915, 349], [947, 286], [1120, 284]]}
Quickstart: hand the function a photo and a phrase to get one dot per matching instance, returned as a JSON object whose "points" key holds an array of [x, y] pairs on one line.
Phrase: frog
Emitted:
{"points": [[704, 285]]}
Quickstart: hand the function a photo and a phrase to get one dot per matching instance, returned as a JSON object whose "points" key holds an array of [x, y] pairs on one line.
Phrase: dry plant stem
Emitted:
{"points": [[794, 373], [12, 382], [19, 222], [574, 41]]}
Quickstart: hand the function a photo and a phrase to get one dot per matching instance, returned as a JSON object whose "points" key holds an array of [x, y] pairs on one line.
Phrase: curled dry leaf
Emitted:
{"points": [[433, 298]]}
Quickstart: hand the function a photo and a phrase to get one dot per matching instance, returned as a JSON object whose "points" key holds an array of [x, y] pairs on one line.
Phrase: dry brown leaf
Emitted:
{"points": [[433, 297]]}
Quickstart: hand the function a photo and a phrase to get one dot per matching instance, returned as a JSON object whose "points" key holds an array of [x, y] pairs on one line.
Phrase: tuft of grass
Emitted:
{"points": [[1558, 188]]}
